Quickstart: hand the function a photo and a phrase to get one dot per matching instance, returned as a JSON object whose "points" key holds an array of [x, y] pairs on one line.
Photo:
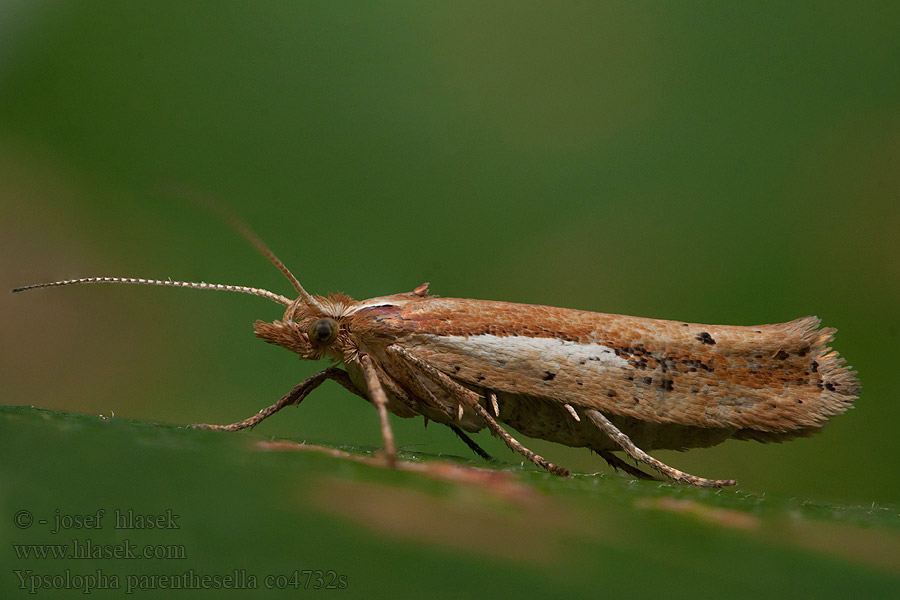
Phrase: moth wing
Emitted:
{"points": [[769, 378]]}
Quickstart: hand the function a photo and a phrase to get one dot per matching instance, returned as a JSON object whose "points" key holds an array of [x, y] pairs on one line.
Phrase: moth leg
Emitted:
{"points": [[636, 453], [515, 445], [379, 399], [617, 463], [419, 387], [472, 444], [467, 397], [295, 396]]}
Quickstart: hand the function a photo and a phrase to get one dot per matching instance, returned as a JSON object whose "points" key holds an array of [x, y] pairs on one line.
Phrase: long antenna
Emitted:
{"points": [[247, 233], [236, 224], [168, 283]]}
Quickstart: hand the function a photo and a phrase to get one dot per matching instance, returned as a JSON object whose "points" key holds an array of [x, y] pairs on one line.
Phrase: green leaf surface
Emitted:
{"points": [[439, 526]]}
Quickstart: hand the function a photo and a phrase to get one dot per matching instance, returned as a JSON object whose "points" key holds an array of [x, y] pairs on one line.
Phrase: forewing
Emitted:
{"points": [[768, 377]]}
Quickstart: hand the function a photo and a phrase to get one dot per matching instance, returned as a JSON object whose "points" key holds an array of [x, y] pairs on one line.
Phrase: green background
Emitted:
{"points": [[706, 162]]}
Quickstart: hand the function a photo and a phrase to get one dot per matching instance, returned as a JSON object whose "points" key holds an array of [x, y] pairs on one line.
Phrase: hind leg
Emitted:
{"points": [[637, 454]]}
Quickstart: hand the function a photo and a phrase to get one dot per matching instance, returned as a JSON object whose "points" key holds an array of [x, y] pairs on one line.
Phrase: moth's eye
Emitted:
{"points": [[322, 331]]}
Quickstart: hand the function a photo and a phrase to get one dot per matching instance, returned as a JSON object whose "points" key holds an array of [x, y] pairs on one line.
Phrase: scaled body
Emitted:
{"points": [[665, 384]]}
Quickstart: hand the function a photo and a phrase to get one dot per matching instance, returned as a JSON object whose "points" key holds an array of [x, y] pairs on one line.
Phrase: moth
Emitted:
{"points": [[582, 379]]}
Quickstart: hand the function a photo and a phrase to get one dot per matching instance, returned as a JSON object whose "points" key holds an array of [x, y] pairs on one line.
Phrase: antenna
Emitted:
{"points": [[168, 283], [247, 233], [236, 224]]}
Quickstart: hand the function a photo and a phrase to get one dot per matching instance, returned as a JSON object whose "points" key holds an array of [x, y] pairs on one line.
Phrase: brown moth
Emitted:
{"points": [[582, 379]]}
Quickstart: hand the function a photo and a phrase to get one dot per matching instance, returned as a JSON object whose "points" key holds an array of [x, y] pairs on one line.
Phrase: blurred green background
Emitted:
{"points": [[707, 162]]}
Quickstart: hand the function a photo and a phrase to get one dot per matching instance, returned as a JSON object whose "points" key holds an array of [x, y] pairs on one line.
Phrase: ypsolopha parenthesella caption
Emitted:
{"points": [[583, 379]]}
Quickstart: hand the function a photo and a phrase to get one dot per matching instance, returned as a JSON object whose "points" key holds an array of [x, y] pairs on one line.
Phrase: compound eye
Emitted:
{"points": [[322, 331]]}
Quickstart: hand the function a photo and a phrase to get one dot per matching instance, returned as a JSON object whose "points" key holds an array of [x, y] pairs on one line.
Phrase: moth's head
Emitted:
{"points": [[316, 326], [312, 329]]}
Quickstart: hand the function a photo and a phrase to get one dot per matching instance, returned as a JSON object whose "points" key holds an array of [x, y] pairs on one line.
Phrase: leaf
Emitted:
{"points": [[286, 515]]}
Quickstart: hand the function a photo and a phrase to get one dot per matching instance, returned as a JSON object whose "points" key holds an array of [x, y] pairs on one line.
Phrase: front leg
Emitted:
{"points": [[295, 396], [379, 399]]}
